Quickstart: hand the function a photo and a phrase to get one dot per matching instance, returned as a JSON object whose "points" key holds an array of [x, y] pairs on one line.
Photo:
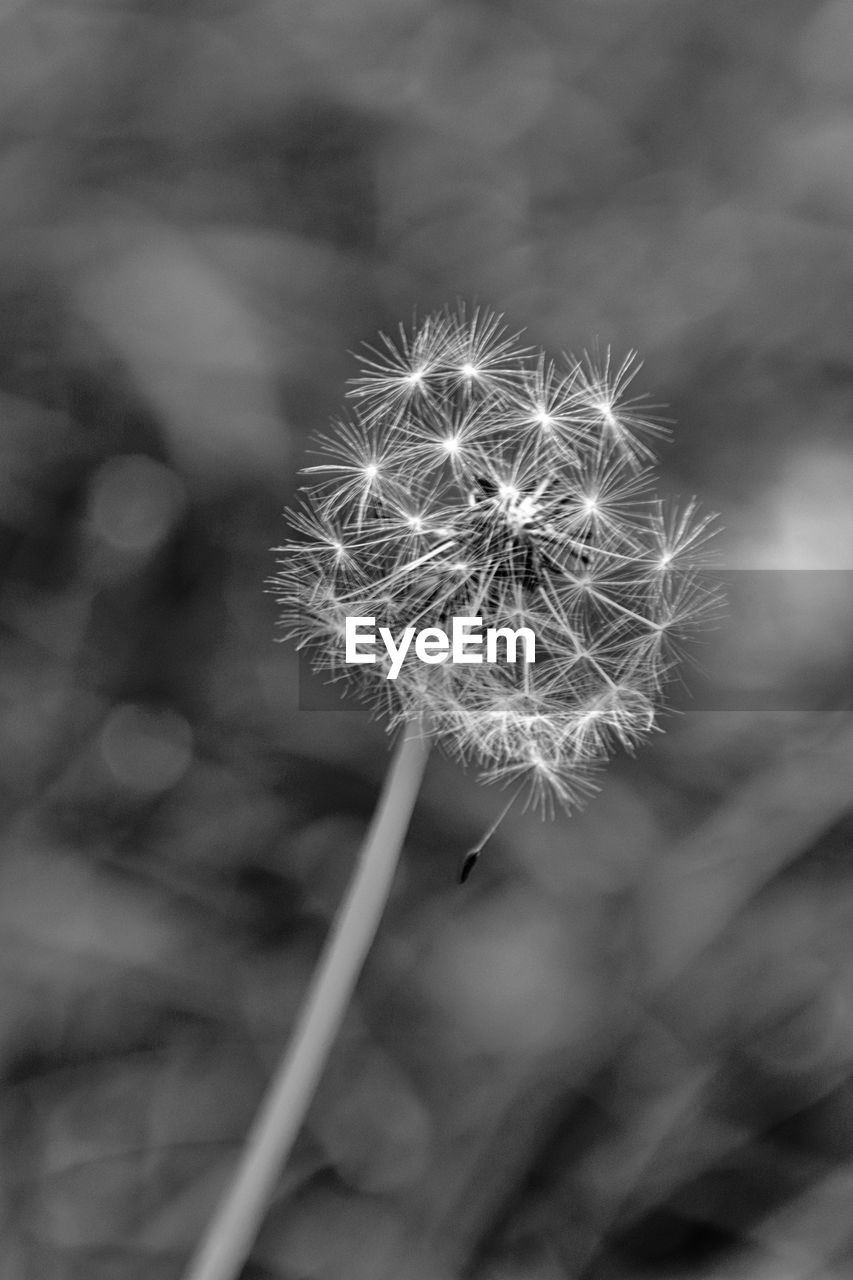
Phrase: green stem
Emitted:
{"points": [[233, 1229]]}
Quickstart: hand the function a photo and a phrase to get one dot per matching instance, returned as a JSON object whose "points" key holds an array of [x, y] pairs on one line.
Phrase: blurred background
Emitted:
{"points": [[625, 1048]]}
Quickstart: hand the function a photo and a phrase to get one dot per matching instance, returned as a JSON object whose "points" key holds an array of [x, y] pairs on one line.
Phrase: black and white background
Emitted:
{"points": [[625, 1048]]}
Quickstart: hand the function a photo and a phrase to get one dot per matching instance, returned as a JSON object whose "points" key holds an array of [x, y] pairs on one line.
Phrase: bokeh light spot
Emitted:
{"points": [[146, 750], [135, 502]]}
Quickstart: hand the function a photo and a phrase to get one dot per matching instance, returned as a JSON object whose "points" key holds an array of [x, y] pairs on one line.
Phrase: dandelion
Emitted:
{"points": [[519, 489], [475, 478]]}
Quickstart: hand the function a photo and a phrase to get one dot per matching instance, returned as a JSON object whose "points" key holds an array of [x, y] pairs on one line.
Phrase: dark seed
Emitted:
{"points": [[468, 865]]}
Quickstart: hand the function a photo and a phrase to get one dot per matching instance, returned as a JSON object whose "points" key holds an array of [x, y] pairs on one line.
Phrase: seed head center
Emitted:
{"points": [[519, 510]]}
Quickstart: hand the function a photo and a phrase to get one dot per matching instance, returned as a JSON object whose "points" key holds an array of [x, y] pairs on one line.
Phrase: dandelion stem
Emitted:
{"points": [[231, 1234]]}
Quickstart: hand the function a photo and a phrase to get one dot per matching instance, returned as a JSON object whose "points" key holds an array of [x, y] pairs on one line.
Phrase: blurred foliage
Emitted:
{"points": [[625, 1047]]}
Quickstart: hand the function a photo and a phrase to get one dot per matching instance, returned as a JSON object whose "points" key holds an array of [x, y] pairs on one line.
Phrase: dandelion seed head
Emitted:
{"points": [[477, 477]]}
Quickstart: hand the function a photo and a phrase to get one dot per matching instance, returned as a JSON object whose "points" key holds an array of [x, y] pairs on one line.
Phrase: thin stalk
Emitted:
{"points": [[234, 1227]]}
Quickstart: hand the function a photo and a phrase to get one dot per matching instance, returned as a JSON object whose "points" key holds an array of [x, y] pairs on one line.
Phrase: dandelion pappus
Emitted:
{"points": [[518, 526], [477, 476]]}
